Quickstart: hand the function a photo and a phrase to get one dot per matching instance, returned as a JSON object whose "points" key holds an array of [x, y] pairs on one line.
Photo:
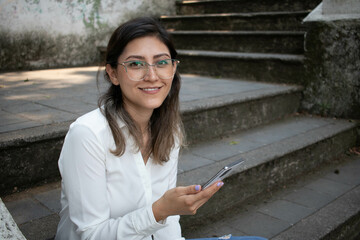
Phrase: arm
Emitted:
{"points": [[173, 229], [82, 166], [180, 201]]}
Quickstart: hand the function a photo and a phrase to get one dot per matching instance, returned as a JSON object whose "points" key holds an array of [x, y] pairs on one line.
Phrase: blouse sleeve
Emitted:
{"points": [[82, 166], [173, 229]]}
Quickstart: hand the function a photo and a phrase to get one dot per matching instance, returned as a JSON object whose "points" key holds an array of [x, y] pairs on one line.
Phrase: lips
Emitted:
{"points": [[150, 89]]}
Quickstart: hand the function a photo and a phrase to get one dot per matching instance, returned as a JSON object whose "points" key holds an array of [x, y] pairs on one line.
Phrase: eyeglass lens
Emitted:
{"points": [[137, 70]]}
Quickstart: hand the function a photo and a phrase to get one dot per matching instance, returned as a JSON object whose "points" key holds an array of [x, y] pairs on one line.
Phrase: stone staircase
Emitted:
{"points": [[252, 40], [240, 100]]}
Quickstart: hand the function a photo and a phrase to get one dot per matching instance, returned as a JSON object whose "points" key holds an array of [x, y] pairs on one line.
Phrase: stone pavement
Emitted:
{"points": [[35, 98], [280, 213]]}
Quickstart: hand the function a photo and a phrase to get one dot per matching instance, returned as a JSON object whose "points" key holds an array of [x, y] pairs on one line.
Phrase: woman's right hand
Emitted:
{"points": [[183, 200]]}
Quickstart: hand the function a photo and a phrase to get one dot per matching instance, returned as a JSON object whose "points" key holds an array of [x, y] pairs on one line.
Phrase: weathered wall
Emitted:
{"points": [[332, 51], [59, 33], [333, 68]]}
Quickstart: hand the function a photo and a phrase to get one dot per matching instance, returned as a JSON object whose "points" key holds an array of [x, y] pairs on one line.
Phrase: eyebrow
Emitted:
{"points": [[142, 58]]}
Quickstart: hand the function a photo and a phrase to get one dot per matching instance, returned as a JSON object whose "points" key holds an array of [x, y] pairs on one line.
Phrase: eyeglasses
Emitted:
{"points": [[137, 70]]}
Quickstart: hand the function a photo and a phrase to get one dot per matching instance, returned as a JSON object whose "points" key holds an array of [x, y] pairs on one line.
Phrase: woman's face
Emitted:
{"points": [[145, 95]]}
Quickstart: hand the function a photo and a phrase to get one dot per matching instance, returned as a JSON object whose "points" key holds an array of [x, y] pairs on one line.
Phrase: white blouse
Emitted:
{"points": [[109, 197]]}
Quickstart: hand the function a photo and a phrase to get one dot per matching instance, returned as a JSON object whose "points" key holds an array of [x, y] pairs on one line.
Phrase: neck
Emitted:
{"points": [[141, 118]]}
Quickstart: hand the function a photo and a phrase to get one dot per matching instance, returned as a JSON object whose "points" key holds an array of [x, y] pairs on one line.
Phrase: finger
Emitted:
{"points": [[188, 190], [193, 189], [207, 193], [215, 186]]}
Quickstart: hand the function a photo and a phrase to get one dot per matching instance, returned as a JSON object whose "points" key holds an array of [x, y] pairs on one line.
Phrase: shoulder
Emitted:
{"points": [[93, 123], [94, 119]]}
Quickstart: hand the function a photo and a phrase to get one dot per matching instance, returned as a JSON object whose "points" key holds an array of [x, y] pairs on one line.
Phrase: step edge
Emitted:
{"points": [[237, 98], [246, 33], [241, 55], [254, 161], [245, 15], [34, 134]]}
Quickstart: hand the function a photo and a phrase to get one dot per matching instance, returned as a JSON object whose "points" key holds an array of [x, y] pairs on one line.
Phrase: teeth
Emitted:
{"points": [[150, 89]]}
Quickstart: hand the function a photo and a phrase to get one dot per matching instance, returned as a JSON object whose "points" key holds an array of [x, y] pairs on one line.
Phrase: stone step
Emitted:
{"points": [[266, 67], [190, 7], [260, 21], [289, 42], [274, 155], [233, 105], [323, 204], [36, 124]]}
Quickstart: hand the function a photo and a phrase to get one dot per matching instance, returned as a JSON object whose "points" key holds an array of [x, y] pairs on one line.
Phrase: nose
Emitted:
{"points": [[151, 74]]}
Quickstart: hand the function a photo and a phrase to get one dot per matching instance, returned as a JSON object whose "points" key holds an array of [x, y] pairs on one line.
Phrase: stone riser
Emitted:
{"points": [[231, 118], [259, 42], [203, 7], [242, 67], [243, 22], [276, 167]]}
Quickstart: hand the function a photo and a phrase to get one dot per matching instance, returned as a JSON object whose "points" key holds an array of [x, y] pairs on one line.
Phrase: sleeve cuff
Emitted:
{"points": [[145, 223]]}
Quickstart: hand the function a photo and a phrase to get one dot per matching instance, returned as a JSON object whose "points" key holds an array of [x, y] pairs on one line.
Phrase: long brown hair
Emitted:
{"points": [[165, 125]]}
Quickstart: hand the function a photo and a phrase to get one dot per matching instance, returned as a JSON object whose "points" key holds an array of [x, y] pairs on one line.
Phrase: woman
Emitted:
{"points": [[119, 162]]}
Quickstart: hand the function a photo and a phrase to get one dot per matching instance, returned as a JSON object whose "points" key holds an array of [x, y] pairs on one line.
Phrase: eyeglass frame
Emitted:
{"points": [[148, 67]]}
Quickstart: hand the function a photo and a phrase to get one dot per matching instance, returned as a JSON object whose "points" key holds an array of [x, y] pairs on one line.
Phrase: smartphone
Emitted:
{"points": [[223, 173]]}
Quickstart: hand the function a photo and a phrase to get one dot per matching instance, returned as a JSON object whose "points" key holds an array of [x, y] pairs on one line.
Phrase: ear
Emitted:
{"points": [[112, 74]]}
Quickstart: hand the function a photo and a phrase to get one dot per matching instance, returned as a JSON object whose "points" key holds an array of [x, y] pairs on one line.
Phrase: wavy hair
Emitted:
{"points": [[165, 125]]}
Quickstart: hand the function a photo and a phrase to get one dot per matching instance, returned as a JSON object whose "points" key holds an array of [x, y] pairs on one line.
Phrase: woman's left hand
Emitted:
{"points": [[183, 200]]}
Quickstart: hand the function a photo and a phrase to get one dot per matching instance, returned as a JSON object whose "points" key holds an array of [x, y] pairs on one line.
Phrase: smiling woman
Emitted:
{"points": [[143, 94], [119, 162]]}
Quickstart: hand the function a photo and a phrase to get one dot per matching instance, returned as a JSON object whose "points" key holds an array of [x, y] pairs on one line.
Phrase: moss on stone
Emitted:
{"points": [[332, 51], [34, 50]]}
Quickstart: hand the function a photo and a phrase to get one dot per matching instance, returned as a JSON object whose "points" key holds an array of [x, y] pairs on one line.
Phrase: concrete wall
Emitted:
{"points": [[341, 7], [59, 33], [332, 51]]}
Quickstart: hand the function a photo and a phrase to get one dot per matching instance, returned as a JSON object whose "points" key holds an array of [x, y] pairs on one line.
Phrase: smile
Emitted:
{"points": [[150, 89]]}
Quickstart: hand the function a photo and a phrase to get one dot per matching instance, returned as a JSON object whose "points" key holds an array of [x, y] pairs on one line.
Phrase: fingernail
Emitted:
{"points": [[197, 187], [219, 184]]}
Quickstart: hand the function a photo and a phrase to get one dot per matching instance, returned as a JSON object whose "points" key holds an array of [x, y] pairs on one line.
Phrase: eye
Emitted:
{"points": [[136, 64], [163, 63]]}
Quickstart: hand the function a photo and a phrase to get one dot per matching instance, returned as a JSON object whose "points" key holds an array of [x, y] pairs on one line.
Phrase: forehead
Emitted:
{"points": [[146, 47]]}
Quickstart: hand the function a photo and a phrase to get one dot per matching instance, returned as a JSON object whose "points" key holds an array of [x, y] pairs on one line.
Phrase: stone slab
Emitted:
{"points": [[329, 187], [348, 174], [26, 210], [258, 224], [308, 198], [280, 209], [327, 219], [41, 229], [51, 199]]}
